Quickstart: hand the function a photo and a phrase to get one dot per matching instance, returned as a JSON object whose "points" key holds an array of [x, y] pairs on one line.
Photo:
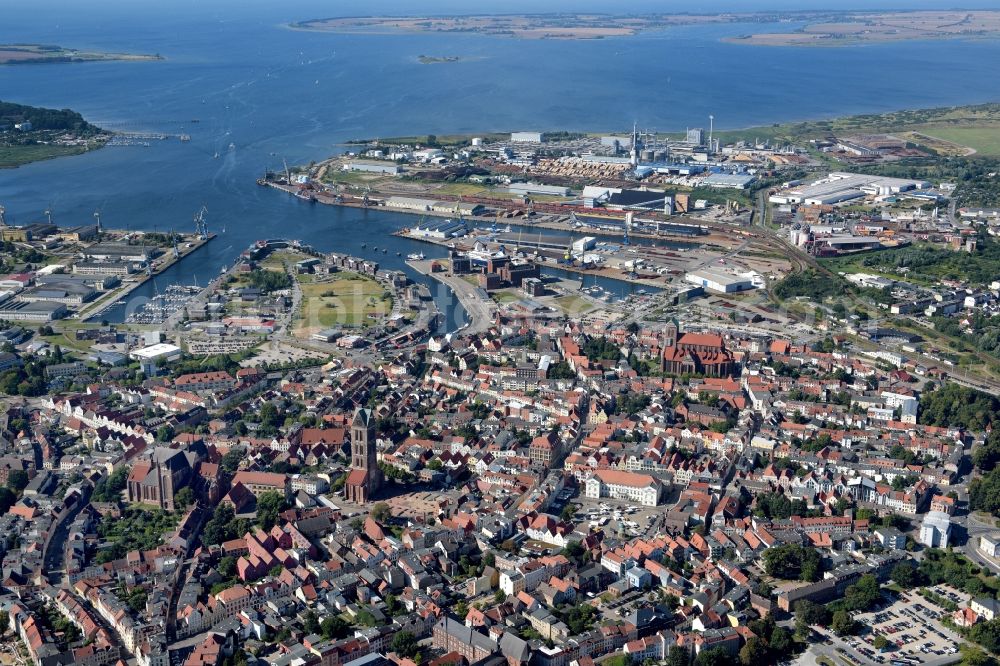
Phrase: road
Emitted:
{"points": [[54, 558], [481, 312]]}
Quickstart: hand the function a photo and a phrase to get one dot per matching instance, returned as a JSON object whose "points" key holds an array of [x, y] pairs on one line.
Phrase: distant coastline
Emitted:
{"points": [[43, 54], [821, 28]]}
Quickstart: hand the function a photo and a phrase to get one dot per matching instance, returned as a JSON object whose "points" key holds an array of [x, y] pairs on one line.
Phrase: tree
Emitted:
{"points": [[227, 566], [842, 624], [165, 433], [184, 498], [365, 618], [780, 641], [334, 628], [7, 499], [753, 652], [269, 505], [792, 562], [812, 613], [678, 656], [880, 642], [905, 575], [381, 512], [567, 513], [863, 594], [310, 622], [405, 644], [713, 657], [17, 479]]}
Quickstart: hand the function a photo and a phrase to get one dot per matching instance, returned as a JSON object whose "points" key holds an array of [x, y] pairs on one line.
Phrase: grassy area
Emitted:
{"points": [[344, 301], [573, 304], [277, 261], [984, 140], [15, 156], [465, 189], [505, 296], [940, 119]]}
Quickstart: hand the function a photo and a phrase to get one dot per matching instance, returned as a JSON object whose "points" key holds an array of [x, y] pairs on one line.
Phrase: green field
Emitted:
{"points": [[15, 156], [343, 301], [984, 140], [573, 305]]}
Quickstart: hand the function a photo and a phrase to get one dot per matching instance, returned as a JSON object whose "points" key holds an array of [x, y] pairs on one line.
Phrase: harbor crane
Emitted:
{"points": [[200, 226], [3, 220]]}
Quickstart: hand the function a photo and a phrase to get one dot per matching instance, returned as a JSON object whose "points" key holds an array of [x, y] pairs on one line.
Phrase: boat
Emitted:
{"points": [[481, 254], [416, 256], [385, 251], [364, 245], [398, 254]]}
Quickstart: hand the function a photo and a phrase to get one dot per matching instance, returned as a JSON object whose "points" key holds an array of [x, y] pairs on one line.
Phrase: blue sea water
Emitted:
{"points": [[263, 93]]}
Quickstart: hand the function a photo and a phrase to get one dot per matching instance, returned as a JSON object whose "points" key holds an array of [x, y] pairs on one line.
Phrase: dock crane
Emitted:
{"points": [[3, 220], [200, 226], [288, 174]]}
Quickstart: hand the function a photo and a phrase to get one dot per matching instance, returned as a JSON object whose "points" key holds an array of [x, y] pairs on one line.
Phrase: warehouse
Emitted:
{"points": [[33, 312], [525, 137], [840, 186], [526, 189], [719, 281], [374, 167], [120, 252], [456, 208], [439, 229], [729, 181], [409, 203], [102, 268]]}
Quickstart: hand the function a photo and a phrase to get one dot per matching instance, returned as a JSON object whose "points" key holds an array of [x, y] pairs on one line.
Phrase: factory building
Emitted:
{"points": [[439, 229], [729, 181], [102, 268], [120, 252], [719, 281], [40, 312], [374, 167], [525, 137], [840, 186], [528, 189]]}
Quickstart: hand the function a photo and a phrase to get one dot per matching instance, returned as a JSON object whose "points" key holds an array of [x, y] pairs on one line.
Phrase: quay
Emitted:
{"points": [[480, 309], [102, 305]]}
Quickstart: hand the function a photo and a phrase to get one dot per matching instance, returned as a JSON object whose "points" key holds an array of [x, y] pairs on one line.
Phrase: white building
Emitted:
{"points": [[637, 488], [935, 530], [719, 281], [525, 137], [989, 545]]}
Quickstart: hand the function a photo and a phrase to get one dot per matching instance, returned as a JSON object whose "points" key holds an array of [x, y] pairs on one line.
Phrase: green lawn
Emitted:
{"points": [[345, 301], [984, 140], [573, 304], [14, 156]]}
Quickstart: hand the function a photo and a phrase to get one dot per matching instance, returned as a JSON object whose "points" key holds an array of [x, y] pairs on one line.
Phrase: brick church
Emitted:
{"points": [[695, 354], [365, 477]]}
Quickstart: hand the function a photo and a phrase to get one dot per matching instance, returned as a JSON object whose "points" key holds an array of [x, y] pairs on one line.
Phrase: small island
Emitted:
{"points": [[29, 134], [435, 60], [35, 54]]}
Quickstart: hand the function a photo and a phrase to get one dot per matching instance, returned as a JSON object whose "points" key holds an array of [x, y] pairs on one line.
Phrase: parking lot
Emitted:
{"points": [[912, 627], [617, 516]]}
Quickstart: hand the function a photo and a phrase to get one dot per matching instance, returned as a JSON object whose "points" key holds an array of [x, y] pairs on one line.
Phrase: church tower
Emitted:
{"points": [[670, 334], [362, 441], [365, 478]]}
